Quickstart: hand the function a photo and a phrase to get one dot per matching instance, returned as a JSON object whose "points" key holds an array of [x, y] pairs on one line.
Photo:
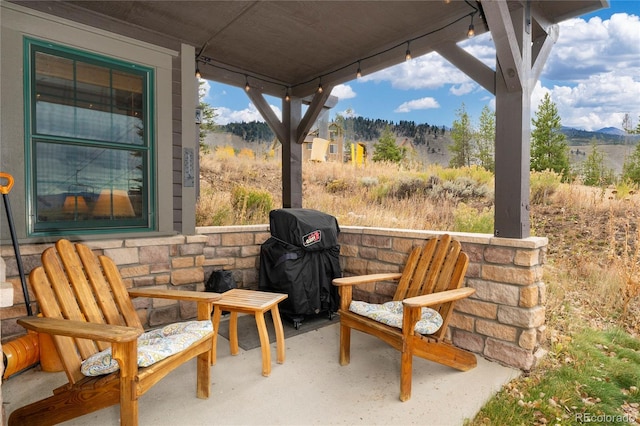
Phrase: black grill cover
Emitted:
{"points": [[301, 259], [306, 228]]}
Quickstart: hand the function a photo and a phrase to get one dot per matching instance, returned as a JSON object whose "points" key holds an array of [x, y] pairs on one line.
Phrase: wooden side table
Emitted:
{"points": [[255, 303]]}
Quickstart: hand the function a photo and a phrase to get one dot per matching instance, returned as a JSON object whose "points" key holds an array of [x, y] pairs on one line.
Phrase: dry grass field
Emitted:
{"points": [[592, 268]]}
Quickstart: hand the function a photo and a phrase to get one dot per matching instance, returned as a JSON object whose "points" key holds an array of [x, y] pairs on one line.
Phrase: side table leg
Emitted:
{"points": [[216, 329], [277, 324], [264, 343], [233, 333]]}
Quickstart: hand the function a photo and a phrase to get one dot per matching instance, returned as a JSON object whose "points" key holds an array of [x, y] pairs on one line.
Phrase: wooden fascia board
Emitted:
{"points": [[468, 64]]}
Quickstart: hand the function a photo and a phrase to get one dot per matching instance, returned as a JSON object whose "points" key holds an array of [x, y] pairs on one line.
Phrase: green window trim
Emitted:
{"points": [[89, 142]]}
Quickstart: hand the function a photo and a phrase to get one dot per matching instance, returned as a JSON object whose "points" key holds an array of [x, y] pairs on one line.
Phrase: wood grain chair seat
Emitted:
{"points": [[89, 313], [415, 321]]}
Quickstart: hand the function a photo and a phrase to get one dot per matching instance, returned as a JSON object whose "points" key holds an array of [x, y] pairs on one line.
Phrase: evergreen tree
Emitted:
{"points": [[207, 123], [594, 172], [549, 150], [486, 139], [386, 148], [462, 134], [631, 166]]}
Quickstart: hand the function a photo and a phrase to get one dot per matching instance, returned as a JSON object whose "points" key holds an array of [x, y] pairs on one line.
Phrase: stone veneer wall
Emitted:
{"points": [[503, 321]]}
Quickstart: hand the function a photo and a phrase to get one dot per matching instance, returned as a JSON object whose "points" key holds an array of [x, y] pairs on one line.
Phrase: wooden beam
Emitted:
{"points": [[291, 154], [267, 113], [507, 41], [541, 50], [514, 84], [312, 113], [468, 64]]}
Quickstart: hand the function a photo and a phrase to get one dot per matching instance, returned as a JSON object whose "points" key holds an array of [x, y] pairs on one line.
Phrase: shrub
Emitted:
{"points": [[468, 219], [251, 205], [409, 187], [368, 181], [224, 152], [543, 185], [337, 185], [247, 153], [625, 188], [476, 173], [463, 187]]}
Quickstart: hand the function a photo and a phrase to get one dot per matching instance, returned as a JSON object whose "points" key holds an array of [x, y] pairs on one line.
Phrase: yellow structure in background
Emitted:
{"points": [[319, 150], [358, 153]]}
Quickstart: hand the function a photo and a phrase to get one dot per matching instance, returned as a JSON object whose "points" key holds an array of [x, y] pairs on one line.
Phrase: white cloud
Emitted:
{"points": [[425, 72], [226, 115], [592, 74], [343, 91], [423, 103], [463, 89]]}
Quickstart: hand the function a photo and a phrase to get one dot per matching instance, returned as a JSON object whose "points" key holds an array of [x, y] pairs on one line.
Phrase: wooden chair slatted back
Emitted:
{"points": [[438, 265], [119, 292], [75, 284], [48, 303], [408, 272]]}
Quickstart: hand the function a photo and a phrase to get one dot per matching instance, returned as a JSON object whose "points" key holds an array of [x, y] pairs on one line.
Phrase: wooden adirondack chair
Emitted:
{"points": [[432, 277], [86, 309]]}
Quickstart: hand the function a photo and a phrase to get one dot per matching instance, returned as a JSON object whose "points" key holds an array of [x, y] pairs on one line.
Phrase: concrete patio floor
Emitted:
{"points": [[310, 388]]}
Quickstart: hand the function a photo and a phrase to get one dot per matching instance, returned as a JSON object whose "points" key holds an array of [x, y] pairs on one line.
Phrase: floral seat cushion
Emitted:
{"points": [[390, 313], [153, 346]]}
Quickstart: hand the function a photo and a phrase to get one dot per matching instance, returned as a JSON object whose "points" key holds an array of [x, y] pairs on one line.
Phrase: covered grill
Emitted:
{"points": [[301, 258]]}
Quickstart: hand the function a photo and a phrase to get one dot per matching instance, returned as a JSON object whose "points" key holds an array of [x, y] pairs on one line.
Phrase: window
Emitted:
{"points": [[333, 148], [89, 142]]}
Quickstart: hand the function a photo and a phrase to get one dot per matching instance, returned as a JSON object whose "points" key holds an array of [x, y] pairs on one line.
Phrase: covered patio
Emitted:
{"points": [[293, 50], [310, 388]]}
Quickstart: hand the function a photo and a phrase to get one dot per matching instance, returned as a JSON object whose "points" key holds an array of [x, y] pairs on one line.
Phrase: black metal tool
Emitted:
{"points": [[5, 189]]}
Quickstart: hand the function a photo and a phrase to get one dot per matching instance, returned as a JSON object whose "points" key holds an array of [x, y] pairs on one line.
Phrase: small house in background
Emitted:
{"points": [[329, 147]]}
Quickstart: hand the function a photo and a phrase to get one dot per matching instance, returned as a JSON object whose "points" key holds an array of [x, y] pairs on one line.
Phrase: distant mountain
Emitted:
{"points": [[611, 131], [605, 136]]}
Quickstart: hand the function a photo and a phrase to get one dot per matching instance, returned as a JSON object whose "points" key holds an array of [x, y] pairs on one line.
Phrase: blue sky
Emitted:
{"points": [[592, 75]]}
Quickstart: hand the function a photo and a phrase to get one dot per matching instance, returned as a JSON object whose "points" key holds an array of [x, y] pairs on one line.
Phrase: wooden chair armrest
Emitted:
{"points": [[438, 298], [365, 279], [192, 296], [81, 329]]}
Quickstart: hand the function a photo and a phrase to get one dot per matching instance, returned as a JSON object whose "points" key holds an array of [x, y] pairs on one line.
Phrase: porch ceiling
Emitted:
{"points": [[280, 44]]}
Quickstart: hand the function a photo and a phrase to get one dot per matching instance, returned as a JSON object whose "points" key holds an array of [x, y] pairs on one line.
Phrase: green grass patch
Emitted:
{"points": [[592, 378]]}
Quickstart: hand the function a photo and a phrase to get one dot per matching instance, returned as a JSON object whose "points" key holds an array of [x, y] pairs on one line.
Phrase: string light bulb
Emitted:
{"points": [[471, 32], [198, 75], [320, 89], [359, 72], [407, 54], [246, 86], [287, 98]]}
